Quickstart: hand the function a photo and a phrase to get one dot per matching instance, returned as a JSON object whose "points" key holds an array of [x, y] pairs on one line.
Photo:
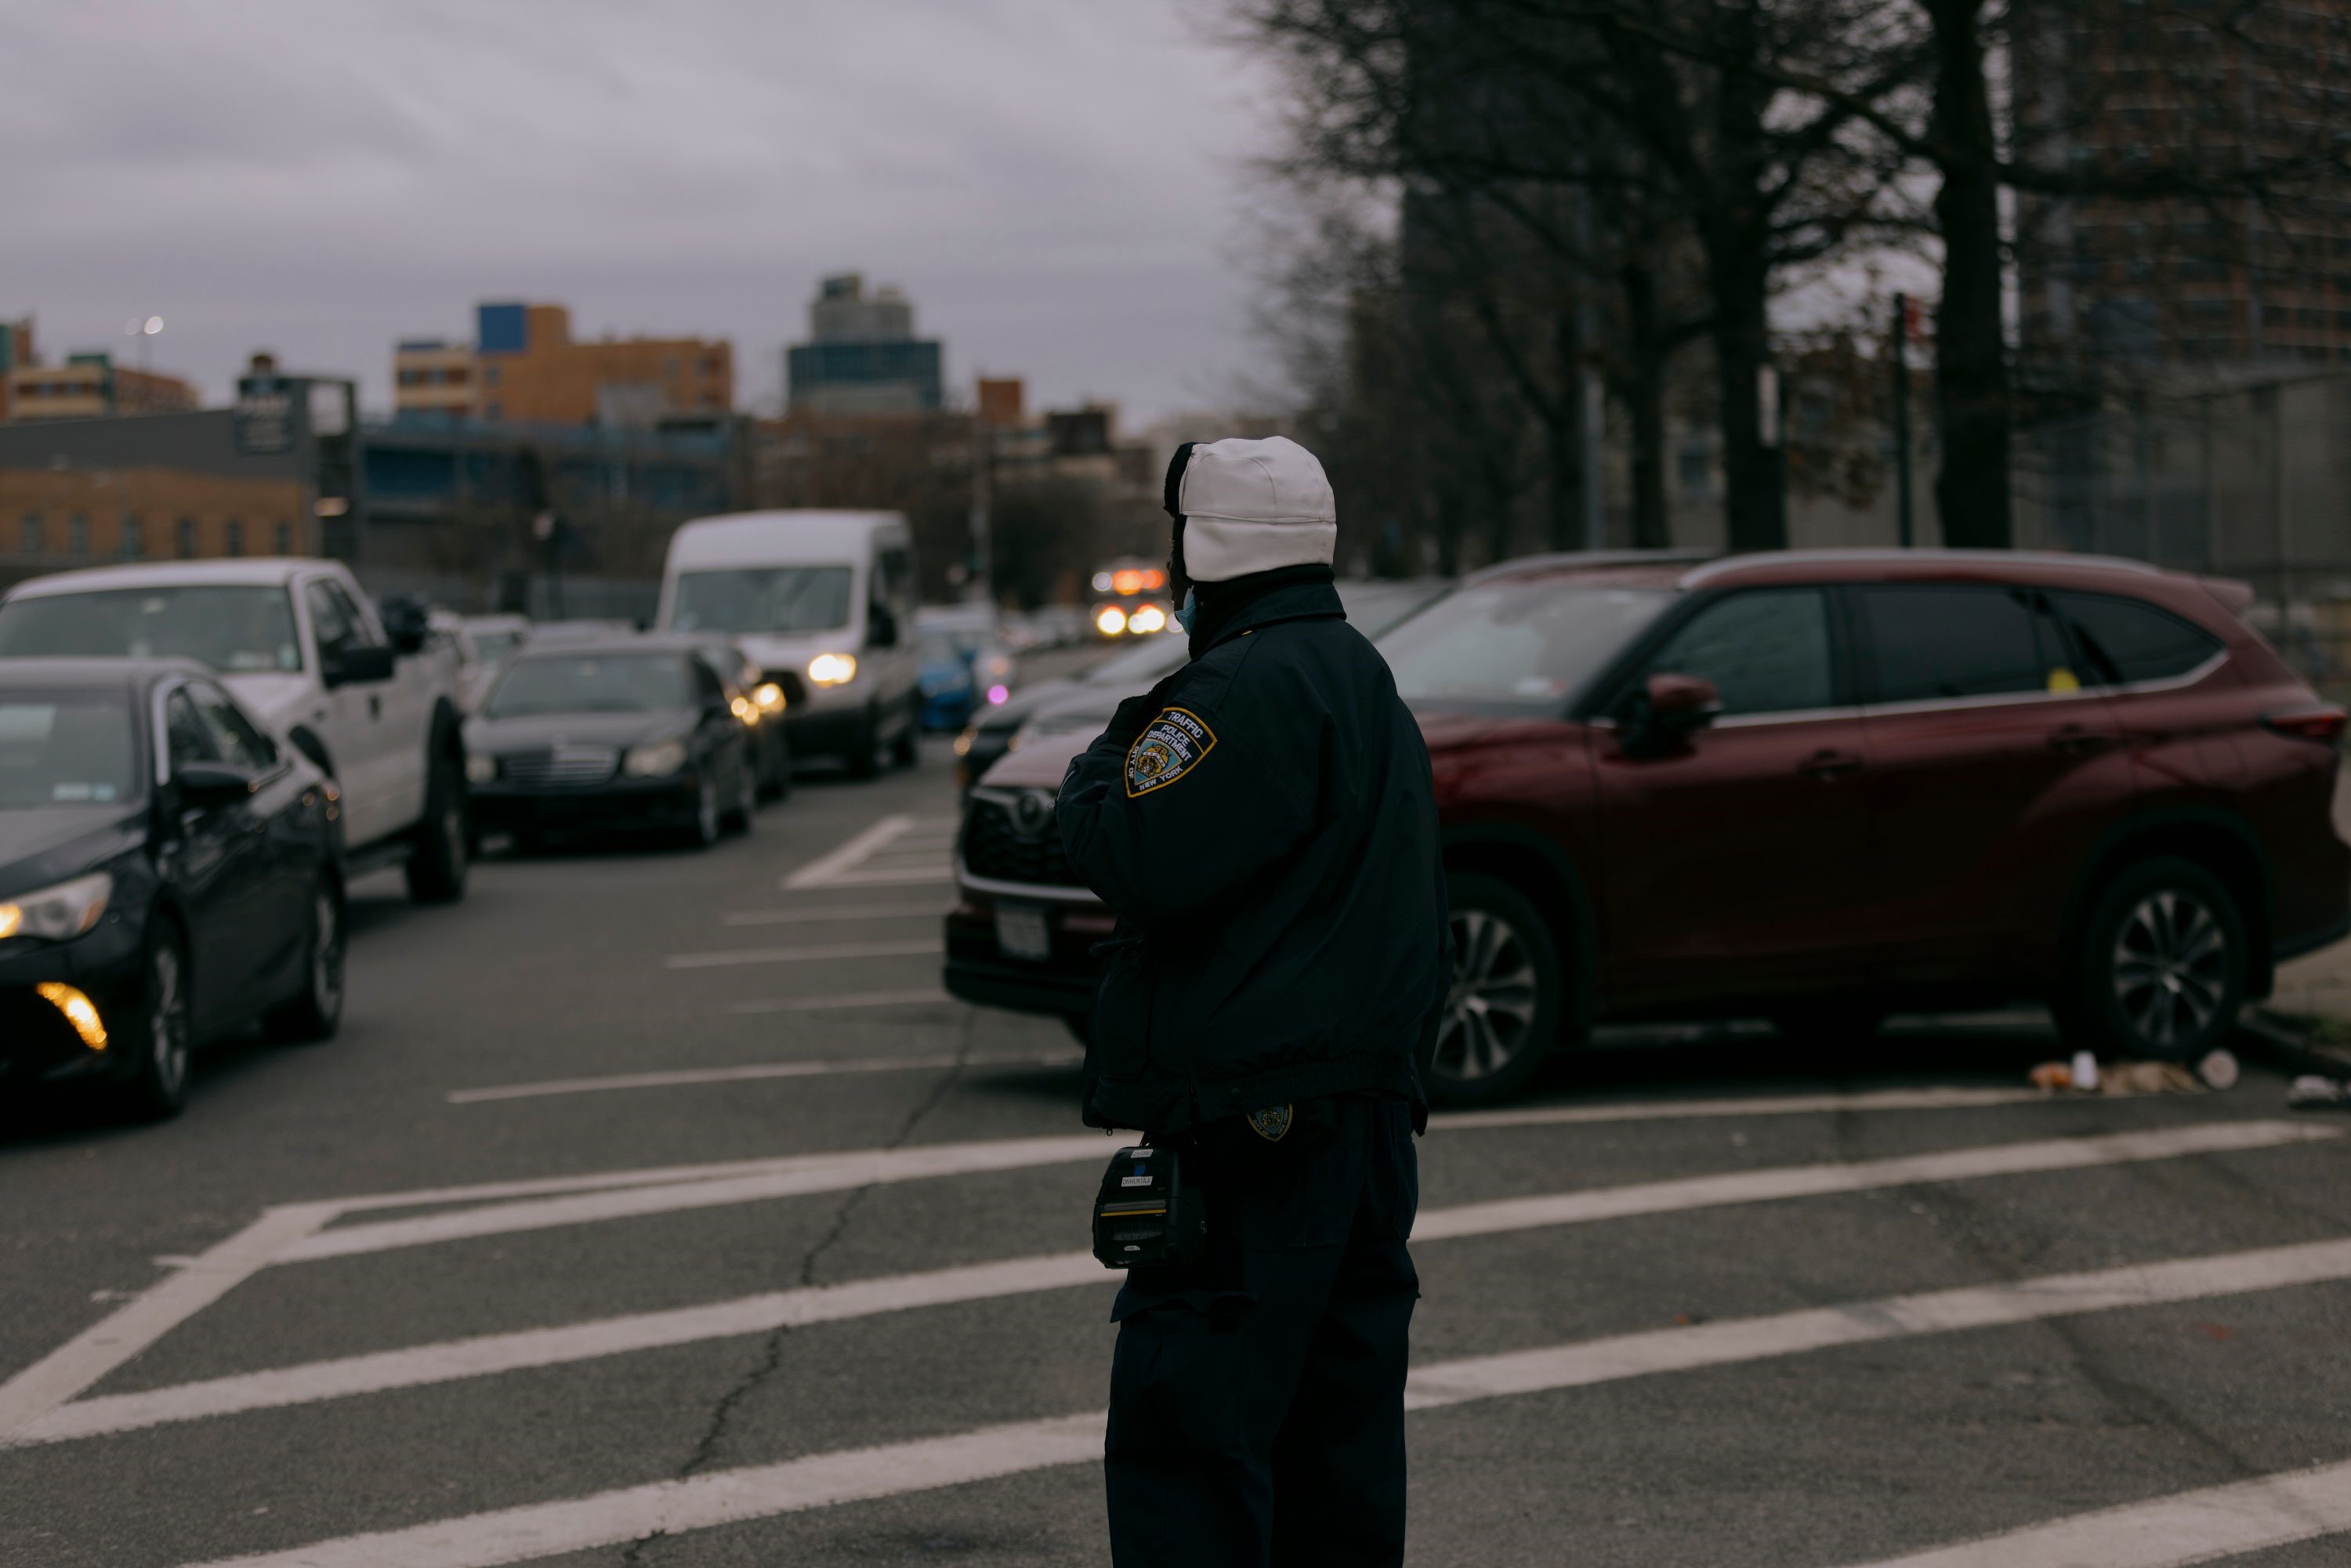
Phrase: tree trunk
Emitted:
{"points": [[1971, 492], [1754, 504], [1646, 393], [1563, 421]]}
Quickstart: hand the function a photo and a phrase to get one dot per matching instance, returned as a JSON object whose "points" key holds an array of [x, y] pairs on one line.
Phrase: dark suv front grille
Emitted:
{"points": [[995, 848], [794, 688]]}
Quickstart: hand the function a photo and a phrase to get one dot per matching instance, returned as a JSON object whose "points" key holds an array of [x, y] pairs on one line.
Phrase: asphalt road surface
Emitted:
{"points": [[655, 1208]]}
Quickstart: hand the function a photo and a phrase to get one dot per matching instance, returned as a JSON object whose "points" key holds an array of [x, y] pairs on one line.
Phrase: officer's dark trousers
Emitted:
{"points": [[1257, 1400]]}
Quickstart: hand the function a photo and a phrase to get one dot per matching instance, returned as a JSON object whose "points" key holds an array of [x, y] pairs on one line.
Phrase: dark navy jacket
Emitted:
{"points": [[1263, 823]]}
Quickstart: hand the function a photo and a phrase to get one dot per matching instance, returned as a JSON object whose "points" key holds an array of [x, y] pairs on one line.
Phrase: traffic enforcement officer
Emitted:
{"points": [[1262, 822]]}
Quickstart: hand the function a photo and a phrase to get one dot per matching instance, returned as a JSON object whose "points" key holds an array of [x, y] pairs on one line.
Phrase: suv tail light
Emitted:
{"points": [[2323, 724]]}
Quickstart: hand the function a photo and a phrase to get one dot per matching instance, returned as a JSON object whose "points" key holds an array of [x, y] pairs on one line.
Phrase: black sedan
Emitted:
{"points": [[168, 873], [611, 735]]}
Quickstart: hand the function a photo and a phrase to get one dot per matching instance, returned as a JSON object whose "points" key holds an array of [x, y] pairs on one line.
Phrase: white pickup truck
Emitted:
{"points": [[299, 643]]}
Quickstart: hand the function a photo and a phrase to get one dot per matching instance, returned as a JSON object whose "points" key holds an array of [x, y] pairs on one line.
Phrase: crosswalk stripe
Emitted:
{"points": [[728, 1496], [922, 946], [2201, 1526], [490, 1353]]}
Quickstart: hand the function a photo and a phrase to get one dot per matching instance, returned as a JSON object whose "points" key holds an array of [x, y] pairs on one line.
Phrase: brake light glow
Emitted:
{"points": [[2324, 725]]}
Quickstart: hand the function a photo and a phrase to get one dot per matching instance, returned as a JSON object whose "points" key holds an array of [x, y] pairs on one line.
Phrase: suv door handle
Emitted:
{"points": [[2078, 737], [1827, 764]]}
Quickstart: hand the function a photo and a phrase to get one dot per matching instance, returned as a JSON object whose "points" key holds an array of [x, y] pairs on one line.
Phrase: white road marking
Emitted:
{"points": [[152, 1313], [1760, 1105], [726, 1497], [754, 1073], [838, 1173], [489, 1353], [673, 1507], [825, 916], [2200, 1526], [920, 947], [852, 1000], [844, 867], [831, 1173]]}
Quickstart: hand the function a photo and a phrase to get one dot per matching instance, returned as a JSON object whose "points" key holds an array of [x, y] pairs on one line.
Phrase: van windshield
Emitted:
{"points": [[762, 598]]}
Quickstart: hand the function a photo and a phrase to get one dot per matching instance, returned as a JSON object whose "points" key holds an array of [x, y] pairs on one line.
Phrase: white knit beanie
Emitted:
{"points": [[1253, 505]]}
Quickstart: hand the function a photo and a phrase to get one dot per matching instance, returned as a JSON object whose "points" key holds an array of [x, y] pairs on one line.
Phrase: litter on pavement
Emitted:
{"points": [[2083, 1075], [2313, 1092]]}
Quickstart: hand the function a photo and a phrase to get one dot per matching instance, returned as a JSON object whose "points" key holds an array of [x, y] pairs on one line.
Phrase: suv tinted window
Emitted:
{"points": [[1934, 642], [2122, 640], [1766, 651]]}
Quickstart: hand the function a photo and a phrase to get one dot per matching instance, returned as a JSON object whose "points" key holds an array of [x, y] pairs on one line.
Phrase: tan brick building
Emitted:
{"points": [[525, 366], [91, 386], [54, 518]]}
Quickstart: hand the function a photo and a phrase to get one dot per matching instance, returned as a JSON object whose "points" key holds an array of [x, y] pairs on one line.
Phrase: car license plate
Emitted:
{"points": [[1023, 934]]}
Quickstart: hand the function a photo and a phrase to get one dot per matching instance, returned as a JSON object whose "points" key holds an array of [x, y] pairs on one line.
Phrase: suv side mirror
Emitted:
{"points": [[206, 785], [1666, 711], [363, 664], [881, 627]]}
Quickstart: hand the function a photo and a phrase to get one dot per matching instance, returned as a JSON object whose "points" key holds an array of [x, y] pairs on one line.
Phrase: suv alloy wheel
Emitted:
{"points": [[2159, 967], [1502, 1014]]}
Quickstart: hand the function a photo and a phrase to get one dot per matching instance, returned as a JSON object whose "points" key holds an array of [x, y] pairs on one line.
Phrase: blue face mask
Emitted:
{"points": [[1189, 611]]}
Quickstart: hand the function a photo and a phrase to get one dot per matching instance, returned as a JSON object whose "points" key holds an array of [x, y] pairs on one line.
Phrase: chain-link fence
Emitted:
{"points": [[2250, 482]]}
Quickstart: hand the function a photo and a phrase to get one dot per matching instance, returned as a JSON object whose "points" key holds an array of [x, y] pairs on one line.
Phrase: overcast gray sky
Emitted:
{"points": [[1056, 183]]}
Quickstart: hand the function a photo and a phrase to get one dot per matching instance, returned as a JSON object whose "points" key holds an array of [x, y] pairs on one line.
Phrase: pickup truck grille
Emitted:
{"points": [[572, 768], [995, 847]]}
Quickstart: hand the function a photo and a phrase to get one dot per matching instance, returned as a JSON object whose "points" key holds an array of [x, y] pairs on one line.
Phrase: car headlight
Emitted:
{"points": [[58, 914], [768, 695], [656, 761], [481, 769], [1111, 621], [833, 669], [1150, 618], [745, 709], [963, 742]]}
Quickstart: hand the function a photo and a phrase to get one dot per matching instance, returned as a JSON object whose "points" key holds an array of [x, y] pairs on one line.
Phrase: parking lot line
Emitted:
{"points": [[484, 1354], [754, 1073], [824, 916], [819, 1480], [2201, 1526], [130, 1328], [1755, 1105], [920, 948], [827, 1004]]}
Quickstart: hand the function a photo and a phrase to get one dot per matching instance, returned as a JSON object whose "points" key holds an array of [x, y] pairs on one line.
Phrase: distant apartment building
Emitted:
{"points": [[16, 348], [862, 356], [2185, 281], [523, 366], [92, 386]]}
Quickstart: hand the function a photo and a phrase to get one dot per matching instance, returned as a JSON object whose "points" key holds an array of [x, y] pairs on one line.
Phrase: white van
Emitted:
{"points": [[825, 602]]}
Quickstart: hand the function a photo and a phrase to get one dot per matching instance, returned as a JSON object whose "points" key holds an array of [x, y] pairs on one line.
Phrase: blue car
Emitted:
{"points": [[964, 670]]}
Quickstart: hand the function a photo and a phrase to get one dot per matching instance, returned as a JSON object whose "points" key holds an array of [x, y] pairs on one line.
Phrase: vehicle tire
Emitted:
{"points": [[437, 862], [709, 815], [1829, 1023], [158, 1085], [1510, 992], [746, 810], [2158, 970], [780, 783], [863, 745], [907, 749], [317, 1011]]}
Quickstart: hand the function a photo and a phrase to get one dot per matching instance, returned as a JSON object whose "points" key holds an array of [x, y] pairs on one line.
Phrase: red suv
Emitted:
{"points": [[1815, 788]]}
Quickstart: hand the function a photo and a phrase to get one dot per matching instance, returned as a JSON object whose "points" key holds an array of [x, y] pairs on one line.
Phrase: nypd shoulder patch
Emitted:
{"points": [[1273, 1124], [1169, 746]]}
